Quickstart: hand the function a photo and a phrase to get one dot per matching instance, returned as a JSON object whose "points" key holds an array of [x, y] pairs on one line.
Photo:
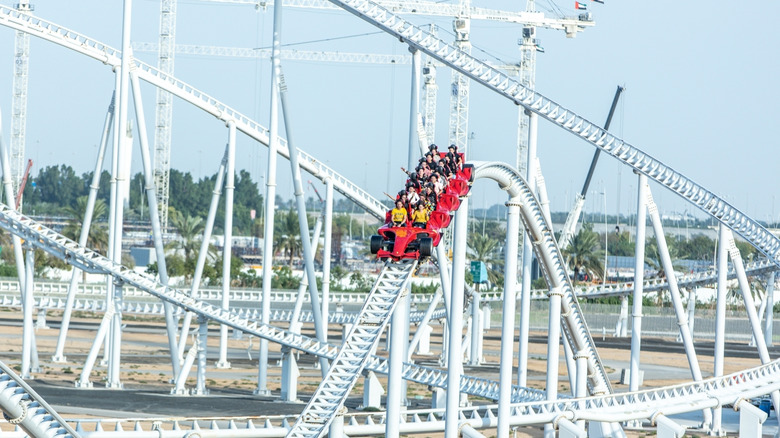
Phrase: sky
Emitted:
{"points": [[701, 95]]}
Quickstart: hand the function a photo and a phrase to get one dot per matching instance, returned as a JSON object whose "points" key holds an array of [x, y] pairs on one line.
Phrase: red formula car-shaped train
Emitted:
{"points": [[413, 228]]}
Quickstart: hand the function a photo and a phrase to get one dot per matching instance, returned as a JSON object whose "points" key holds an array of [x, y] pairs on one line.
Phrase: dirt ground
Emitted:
{"points": [[145, 364]]}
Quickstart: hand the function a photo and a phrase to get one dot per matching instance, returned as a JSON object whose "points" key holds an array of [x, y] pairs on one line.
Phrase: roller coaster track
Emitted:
{"points": [[510, 88], [645, 405], [546, 248], [82, 44], [23, 407], [154, 308], [90, 261], [393, 282], [91, 297]]}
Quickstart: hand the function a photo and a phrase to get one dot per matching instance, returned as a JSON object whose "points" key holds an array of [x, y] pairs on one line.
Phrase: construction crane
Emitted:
{"points": [[463, 13], [19, 102], [164, 114], [574, 215]]}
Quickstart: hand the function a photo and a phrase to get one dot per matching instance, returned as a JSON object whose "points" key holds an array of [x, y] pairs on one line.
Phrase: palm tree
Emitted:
{"points": [[483, 248], [98, 231], [584, 252], [190, 229], [287, 235]]}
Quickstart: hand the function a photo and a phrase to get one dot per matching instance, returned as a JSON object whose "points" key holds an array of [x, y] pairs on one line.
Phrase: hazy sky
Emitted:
{"points": [[701, 94]]}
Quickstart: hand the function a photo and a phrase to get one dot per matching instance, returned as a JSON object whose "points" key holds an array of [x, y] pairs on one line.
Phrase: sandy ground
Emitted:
{"points": [[145, 364]]}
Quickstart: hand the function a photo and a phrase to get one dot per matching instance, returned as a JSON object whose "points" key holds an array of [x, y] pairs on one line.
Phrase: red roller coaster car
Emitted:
{"points": [[408, 242]]}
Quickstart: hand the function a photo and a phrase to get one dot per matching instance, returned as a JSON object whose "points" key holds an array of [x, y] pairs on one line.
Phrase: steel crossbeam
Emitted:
{"points": [[21, 406], [393, 282], [510, 88], [65, 249]]}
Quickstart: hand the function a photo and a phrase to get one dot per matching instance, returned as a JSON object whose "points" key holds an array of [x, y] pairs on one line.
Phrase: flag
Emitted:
{"points": [[580, 6], [539, 48], [599, 1]]}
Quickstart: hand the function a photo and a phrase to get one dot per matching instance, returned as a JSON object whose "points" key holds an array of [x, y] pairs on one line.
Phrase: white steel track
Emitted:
{"points": [[22, 407], [112, 57], [564, 118], [90, 261], [393, 282]]}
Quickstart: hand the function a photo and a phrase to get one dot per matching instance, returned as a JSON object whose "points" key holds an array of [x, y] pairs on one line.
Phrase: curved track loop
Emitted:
{"points": [[112, 57], [553, 266], [508, 87], [23, 407], [92, 262]]}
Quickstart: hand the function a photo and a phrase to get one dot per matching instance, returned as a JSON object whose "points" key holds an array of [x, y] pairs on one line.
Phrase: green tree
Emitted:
{"points": [[98, 231], [287, 238], [483, 248], [189, 229], [584, 253]]}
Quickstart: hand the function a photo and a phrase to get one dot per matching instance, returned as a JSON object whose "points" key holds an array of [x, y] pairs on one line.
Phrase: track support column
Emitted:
{"points": [[455, 355], [508, 320]]}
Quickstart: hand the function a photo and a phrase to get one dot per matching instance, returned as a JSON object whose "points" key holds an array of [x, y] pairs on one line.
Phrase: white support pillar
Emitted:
{"points": [[270, 199], [27, 304], [508, 320], [639, 277], [227, 244], [581, 388], [113, 379], [685, 332], [525, 292], [396, 394], [750, 420], [202, 344], [691, 309], [327, 248], [768, 320], [455, 355], [667, 428], [720, 322], [553, 351], [83, 381], [372, 391], [290, 376], [621, 328], [476, 330], [567, 429]]}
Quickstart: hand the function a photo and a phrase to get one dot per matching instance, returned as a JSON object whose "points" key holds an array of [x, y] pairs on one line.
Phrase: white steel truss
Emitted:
{"points": [[570, 25], [480, 72], [393, 282], [92, 262], [164, 114], [19, 101], [112, 57]]}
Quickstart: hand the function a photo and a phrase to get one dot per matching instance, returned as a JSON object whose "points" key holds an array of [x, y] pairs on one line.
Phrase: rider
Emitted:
{"points": [[398, 214], [420, 216]]}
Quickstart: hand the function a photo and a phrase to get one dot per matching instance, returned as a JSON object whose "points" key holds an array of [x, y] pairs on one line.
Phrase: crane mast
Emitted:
{"points": [[463, 13], [164, 114], [19, 102], [459, 100], [430, 90]]}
